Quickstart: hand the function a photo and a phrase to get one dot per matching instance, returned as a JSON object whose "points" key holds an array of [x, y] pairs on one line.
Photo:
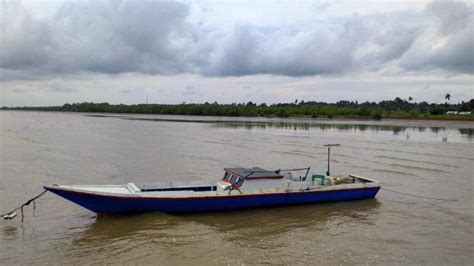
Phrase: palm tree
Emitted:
{"points": [[410, 99], [447, 96]]}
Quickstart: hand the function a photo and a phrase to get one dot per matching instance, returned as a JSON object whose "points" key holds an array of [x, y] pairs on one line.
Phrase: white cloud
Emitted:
{"points": [[449, 44], [102, 37], [156, 38], [248, 43]]}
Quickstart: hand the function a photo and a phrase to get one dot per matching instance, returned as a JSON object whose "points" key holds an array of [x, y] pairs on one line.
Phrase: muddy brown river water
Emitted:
{"points": [[423, 158]]}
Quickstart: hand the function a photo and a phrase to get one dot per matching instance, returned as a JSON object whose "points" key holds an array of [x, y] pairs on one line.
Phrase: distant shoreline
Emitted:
{"points": [[467, 118], [391, 109]]}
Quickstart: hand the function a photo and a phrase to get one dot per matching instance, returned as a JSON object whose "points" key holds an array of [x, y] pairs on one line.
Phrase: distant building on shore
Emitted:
{"points": [[457, 113]]}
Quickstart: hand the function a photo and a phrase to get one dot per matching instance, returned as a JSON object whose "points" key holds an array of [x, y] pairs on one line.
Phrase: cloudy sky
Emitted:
{"points": [[53, 52]]}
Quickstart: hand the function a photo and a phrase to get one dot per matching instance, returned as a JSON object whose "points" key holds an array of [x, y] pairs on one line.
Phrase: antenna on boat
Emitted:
{"points": [[329, 155]]}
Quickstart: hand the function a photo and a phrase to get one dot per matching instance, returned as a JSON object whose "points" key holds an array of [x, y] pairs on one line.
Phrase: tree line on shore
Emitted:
{"points": [[397, 108]]}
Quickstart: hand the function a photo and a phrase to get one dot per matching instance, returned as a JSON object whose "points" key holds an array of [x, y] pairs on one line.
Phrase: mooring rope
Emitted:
{"points": [[25, 204], [416, 196]]}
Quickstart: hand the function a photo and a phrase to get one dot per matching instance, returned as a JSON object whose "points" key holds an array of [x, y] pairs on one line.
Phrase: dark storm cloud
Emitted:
{"points": [[157, 38], [321, 49], [105, 37], [24, 42], [252, 50], [452, 16], [455, 36]]}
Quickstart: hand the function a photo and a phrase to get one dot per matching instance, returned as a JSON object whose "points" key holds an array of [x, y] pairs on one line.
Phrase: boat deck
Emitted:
{"points": [[116, 189], [176, 186]]}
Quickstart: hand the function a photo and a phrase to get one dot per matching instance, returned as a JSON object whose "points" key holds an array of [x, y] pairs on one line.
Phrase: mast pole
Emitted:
{"points": [[329, 156], [329, 159]]}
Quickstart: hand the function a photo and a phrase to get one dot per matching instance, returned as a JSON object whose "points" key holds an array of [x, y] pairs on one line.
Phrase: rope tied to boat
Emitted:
{"points": [[416, 196], [12, 214]]}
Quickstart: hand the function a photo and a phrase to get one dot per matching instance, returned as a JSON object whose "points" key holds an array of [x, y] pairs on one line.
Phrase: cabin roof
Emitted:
{"points": [[253, 173]]}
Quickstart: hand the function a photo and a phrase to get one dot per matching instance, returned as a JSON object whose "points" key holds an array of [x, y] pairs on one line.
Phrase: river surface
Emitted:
{"points": [[433, 159]]}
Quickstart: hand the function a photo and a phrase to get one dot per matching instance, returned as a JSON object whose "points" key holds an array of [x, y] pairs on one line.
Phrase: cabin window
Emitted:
{"points": [[226, 177], [239, 181]]}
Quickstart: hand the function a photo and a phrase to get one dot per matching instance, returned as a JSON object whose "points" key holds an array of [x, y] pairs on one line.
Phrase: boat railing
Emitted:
{"points": [[364, 179], [302, 178]]}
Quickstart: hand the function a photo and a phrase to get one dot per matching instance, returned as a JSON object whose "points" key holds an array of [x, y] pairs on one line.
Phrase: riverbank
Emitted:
{"points": [[392, 109]]}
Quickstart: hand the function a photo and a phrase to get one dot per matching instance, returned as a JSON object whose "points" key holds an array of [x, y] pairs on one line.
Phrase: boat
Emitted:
{"points": [[238, 188]]}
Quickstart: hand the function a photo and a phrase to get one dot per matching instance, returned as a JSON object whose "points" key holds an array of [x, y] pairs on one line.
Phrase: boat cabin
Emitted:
{"points": [[233, 178], [237, 176]]}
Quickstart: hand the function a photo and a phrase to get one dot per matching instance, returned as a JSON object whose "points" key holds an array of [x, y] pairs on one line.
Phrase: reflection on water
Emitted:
{"points": [[260, 229], [10, 232], [248, 224], [276, 220], [468, 132], [395, 129]]}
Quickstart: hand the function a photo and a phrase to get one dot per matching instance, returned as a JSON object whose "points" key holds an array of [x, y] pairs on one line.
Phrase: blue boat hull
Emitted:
{"points": [[119, 204]]}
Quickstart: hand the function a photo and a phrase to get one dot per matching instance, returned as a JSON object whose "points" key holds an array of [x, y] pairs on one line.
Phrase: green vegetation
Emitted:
{"points": [[397, 108]]}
